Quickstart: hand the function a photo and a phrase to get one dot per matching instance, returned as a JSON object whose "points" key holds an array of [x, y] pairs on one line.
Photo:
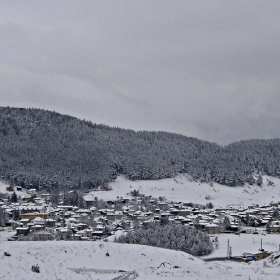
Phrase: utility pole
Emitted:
{"points": [[228, 250]]}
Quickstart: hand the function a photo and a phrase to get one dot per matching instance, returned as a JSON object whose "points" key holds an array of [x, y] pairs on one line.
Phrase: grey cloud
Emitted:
{"points": [[208, 69]]}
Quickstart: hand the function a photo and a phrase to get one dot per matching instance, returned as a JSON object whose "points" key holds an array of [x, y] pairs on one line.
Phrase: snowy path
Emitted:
{"points": [[124, 275]]}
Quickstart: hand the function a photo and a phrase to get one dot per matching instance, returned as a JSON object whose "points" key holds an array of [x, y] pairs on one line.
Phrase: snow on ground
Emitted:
{"points": [[3, 186], [249, 243], [60, 259], [181, 188]]}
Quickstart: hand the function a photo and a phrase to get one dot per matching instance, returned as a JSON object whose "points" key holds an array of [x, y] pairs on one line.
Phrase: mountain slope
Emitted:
{"points": [[41, 148]]}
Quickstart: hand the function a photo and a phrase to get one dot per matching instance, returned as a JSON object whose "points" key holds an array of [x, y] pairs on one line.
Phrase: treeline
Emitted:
{"points": [[176, 237], [41, 148]]}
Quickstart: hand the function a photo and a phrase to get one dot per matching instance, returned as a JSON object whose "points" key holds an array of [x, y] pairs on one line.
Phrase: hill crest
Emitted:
{"points": [[40, 148]]}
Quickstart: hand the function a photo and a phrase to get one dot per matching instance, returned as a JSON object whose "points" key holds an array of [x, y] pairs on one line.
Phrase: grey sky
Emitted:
{"points": [[208, 69]]}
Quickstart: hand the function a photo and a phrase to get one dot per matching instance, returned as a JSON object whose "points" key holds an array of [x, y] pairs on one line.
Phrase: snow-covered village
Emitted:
{"points": [[139, 140], [244, 235]]}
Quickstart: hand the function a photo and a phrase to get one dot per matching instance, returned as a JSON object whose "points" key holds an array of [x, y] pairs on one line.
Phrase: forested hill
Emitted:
{"points": [[40, 148]]}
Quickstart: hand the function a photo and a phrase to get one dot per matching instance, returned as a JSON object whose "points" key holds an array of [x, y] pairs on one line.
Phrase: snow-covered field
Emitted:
{"points": [[181, 188], [249, 243], [3, 187], [88, 260]]}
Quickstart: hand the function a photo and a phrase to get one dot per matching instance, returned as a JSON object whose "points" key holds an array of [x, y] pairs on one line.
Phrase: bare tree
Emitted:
{"points": [[118, 205], [54, 198]]}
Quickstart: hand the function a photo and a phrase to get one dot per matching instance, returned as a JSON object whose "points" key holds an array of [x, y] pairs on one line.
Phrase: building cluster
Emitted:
{"points": [[35, 218]]}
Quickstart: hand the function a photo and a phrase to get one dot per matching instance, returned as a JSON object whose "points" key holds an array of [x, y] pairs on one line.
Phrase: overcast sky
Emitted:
{"points": [[207, 69]]}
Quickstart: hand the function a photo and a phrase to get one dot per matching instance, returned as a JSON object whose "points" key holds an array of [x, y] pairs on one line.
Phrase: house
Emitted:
{"points": [[84, 233], [89, 201], [275, 227], [81, 226], [65, 207], [22, 230], [97, 233], [84, 238], [28, 198], [10, 188], [125, 200], [29, 208], [38, 227], [186, 221], [77, 236], [64, 233], [25, 221], [84, 211], [32, 192], [45, 196], [212, 229], [34, 215], [38, 201], [50, 223], [185, 212], [275, 204], [42, 236], [38, 224], [234, 228], [116, 215], [174, 211], [163, 205], [261, 255]]}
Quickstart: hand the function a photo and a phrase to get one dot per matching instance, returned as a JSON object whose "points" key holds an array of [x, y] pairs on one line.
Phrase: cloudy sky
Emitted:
{"points": [[208, 69]]}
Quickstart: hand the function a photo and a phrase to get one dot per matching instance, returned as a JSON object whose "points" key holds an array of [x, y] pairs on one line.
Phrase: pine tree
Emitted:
{"points": [[276, 214], [226, 223], [259, 181], [14, 197], [3, 217], [16, 215]]}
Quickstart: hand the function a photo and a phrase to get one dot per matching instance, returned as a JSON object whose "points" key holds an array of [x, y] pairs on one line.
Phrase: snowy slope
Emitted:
{"points": [[181, 188], [60, 259], [3, 186]]}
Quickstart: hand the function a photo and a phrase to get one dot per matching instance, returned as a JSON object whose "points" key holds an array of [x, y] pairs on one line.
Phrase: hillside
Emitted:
{"points": [[88, 260], [181, 189], [41, 148]]}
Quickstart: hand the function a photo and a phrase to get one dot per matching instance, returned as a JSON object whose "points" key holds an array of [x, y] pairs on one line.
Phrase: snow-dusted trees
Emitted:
{"points": [[3, 217], [74, 198], [43, 149], [54, 198], [16, 215], [259, 181], [176, 237], [226, 223]]}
